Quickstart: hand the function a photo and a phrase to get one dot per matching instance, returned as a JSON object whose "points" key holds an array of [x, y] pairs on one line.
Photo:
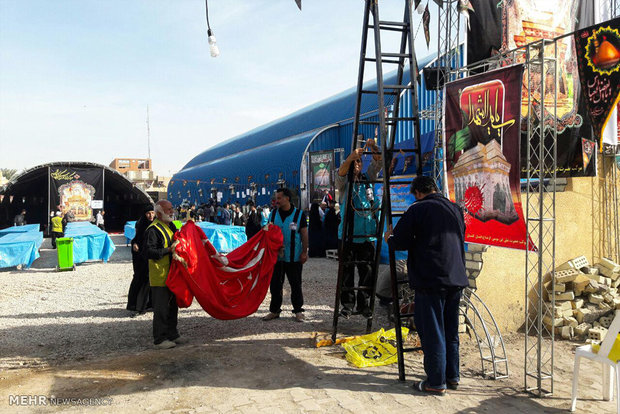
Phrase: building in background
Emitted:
{"points": [[140, 172]]}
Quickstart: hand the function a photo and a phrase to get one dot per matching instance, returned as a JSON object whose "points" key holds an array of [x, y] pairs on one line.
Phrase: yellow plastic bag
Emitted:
{"points": [[373, 350], [614, 354]]}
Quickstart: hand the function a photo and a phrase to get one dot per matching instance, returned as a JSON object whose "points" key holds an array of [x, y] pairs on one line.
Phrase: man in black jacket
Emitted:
{"points": [[252, 226], [433, 232]]}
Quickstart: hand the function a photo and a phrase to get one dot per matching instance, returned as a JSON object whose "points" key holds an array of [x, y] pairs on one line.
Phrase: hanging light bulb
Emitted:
{"points": [[215, 51]]}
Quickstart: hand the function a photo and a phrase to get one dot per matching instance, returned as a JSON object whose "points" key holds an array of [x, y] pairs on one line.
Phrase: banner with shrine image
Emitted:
{"points": [[598, 59], [482, 130], [75, 189]]}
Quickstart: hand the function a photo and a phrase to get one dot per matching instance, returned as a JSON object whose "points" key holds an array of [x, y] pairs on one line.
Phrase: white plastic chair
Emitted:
{"points": [[608, 365]]}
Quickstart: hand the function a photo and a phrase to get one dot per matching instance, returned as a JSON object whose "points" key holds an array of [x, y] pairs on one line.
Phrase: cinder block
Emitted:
{"points": [[591, 270], [580, 314], [616, 303], [570, 321], [566, 313], [577, 303], [597, 278], [592, 287], [581, 281], [609, 264], [580, 261], [552, 323], [469, 256], [608, 297], [565, 296], [604, 306], [473, 265], [567, 332], [560, 287], [565, 266], [477, 257], [615, 283], [605, 321], [564, 276], [594, 298], [582, 329], [565, 305], [597, 334]]}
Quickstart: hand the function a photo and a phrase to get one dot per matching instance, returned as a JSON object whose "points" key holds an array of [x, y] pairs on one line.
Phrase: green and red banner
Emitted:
{"points": [[598, 59], [482, 124]]}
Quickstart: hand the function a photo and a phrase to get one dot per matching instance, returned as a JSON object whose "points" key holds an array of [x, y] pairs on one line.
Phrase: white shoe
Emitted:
{"points": [[271, 316], [299, 317], [165, 345]]}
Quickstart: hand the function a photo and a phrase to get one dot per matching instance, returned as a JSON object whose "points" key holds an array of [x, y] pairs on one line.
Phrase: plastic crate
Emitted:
{"points": [[64, 248]]}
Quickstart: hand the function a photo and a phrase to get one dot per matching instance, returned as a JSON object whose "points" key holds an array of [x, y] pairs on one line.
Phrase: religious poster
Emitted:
{"points": [[482, 155], [74, 189], [598, 59], [321, 174], [400, 194], [588, 148]]}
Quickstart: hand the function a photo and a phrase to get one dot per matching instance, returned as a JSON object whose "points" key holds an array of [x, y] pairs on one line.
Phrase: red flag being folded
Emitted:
{"points": [[227, 287]]}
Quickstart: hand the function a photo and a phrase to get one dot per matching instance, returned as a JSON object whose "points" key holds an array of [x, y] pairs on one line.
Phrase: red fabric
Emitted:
{"points": [[224, 292]]}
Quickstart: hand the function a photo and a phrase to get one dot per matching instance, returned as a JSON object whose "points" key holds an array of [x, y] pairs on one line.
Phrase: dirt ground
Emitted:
{"points": [[94, 358]]}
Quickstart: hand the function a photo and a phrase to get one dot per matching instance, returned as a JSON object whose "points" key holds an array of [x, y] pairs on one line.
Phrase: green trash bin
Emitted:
{"points": [[64, 248], [178, 224]]}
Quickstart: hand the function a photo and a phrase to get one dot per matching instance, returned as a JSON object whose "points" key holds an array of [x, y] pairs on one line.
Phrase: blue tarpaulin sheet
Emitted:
{"points": [[20, 248], [89, 242], [21, 229], [130, 231], [225, 239]]}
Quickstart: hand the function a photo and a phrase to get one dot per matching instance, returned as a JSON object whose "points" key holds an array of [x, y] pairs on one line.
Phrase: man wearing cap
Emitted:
{"points": [[432, 230], [158, 240]]}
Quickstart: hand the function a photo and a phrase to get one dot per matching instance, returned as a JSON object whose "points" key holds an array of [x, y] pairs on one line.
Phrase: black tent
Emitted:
{"points": [[30, 190]]}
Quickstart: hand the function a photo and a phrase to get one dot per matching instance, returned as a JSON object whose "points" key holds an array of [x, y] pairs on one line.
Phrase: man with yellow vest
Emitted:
{"points": [[293, 255], [158, 240], [57, 228]]}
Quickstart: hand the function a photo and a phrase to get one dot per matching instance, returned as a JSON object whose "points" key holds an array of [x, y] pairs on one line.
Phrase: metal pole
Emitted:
{"points": [[49, 221]]}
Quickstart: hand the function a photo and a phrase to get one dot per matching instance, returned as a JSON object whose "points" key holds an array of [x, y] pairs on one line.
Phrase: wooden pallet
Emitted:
{"points": [[332, 254]]}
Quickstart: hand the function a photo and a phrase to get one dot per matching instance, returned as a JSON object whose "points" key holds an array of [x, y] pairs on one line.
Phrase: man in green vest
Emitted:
{"points": [[158, 240], [293, 255], [57, 228]]}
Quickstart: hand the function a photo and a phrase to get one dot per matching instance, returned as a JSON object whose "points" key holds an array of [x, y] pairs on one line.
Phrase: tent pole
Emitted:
{"points": [[48, 199]]}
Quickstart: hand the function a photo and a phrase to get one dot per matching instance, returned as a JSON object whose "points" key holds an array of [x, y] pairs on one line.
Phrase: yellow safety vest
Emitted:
{"points": [[158, 269], [57, 224]]}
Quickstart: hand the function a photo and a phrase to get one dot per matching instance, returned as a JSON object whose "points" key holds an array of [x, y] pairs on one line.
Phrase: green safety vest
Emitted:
{"points": [[158, 269], [57, 224]]}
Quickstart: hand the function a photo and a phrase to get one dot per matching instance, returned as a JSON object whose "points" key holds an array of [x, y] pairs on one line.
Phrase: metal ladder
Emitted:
{"points": [[386, 126]]}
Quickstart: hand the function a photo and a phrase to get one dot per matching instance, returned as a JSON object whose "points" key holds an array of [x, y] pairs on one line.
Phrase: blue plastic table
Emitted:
{"points": [[225, 239], [20, 248], [89, 242], [21, 229]]}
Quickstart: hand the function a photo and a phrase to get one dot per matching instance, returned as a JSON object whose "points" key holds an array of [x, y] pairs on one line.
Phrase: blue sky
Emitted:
{"points": [[76, 76]]}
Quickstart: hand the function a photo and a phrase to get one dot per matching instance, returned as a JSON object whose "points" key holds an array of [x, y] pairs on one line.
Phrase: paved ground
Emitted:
{"points": [[89, 349]]}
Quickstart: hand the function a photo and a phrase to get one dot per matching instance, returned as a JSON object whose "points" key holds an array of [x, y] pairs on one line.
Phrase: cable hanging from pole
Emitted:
{"points": [[213, 49]]}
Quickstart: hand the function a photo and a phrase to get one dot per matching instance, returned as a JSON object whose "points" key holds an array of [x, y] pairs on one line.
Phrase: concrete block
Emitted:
{"points": [[570, 321], [565, 305], [597, 278], [594, 298], [577, 303], [609, 264], [580, 282], [608, 297], [591, 270], [560, 287], [564, 276], [565, 266], [582, 329], [565, 296], [616, 303], [477, 257], [604, 271], [597, 334], [605, 321], [552, 323], [604, 306], [473, 265], [474, 248], [567, 332], [580, 314], [579, 262], [596, 324], [615, 283], [472, 283], [592, 287], [469, 256], [566, 313]]}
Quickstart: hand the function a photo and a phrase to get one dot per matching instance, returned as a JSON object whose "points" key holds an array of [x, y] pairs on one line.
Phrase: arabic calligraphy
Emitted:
{"points": [[599, 89], [63, 175]]}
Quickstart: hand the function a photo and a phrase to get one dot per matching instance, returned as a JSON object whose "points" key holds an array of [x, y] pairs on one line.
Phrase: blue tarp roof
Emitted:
{"points": [[336, 109]]}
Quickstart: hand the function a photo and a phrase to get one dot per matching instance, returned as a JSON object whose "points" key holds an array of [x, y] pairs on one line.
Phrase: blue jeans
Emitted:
{"points": [[436, 317]]}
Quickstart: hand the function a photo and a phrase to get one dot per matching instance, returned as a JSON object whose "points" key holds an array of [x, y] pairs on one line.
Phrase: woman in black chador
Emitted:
{"points": [[330, 227], [139, 298], [315, 233]]}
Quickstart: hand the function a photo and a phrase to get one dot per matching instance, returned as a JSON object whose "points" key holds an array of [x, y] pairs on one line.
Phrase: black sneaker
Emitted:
{"points": [[367, 313]]}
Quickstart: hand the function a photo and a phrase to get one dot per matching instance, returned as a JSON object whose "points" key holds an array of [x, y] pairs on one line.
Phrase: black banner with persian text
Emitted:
{"points": [[75, 189]]}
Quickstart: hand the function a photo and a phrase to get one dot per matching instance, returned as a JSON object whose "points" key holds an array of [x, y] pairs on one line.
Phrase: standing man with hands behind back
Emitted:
{"points": [[158, 240], [294, 254], [432, 230]]}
